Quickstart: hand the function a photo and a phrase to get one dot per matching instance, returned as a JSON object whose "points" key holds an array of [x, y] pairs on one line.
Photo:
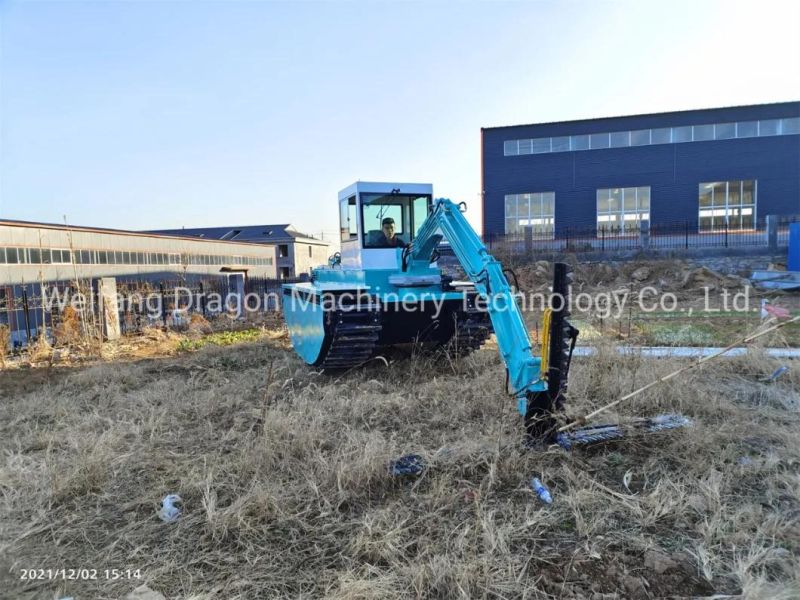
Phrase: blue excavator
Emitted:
{"points": [[385, 289]]}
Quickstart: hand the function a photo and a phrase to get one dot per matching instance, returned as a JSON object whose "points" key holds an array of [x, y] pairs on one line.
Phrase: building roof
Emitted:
{"points": [[108, 230], [261, 234], [792, 104]]}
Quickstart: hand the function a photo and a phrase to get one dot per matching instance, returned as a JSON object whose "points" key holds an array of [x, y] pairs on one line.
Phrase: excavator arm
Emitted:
{"points": [[539, 395]]}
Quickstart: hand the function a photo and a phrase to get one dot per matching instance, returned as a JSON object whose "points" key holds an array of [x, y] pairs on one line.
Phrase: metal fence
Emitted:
{"points": [[30, 311], [770, 233]]}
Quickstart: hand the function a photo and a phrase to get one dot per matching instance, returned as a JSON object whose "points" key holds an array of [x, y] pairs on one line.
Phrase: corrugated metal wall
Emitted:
{"points": [[673, 171]]}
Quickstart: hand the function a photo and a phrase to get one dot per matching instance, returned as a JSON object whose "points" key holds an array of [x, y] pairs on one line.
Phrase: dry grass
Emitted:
{"points": [[5, 344], [287, 492]]}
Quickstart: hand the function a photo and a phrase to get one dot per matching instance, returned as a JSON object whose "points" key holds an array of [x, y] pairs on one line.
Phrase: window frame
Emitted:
{"points": [[727, 207], [532, 198], [641, 213], [407, 209]]}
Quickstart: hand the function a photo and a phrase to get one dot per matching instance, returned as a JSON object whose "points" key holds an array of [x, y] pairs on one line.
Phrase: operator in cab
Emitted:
{"points": [[389, 239]]}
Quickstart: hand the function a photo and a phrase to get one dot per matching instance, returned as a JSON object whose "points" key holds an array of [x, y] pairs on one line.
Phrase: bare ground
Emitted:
{"points": [[287, 491]]}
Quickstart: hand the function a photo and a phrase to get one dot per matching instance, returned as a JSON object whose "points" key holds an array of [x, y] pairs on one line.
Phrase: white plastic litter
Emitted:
{"points": [[171, 507], [541, 491], [144, 593]]}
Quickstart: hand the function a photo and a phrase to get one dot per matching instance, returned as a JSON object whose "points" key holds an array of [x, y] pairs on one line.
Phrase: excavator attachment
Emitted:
{"points": [[558, 342]]}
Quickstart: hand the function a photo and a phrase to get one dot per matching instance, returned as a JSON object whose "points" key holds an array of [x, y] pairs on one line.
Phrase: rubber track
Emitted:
{"points": [[355, 336], [473, 328]]}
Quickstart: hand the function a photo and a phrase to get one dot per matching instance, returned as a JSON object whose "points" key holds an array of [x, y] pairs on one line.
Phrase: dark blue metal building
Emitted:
{"points": [[722, 167]]}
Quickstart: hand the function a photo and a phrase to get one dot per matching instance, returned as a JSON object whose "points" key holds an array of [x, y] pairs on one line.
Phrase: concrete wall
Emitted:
{"points": [[159, 254], [303, 260]]}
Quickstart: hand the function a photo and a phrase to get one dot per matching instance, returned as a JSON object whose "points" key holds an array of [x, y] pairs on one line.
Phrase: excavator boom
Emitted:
{"points": [[539, 394]]}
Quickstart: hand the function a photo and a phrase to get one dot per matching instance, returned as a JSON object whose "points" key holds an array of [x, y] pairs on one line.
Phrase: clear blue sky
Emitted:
{"points": [[168, 114]]}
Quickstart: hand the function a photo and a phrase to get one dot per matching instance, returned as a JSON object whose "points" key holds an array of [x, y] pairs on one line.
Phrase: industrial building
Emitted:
{"points": [[710, 168], [33, 252], [297, 252]]}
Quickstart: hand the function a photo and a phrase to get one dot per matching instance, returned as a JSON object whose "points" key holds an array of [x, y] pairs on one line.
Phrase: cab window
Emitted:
{"points": [[347, 219], [392, 220]]}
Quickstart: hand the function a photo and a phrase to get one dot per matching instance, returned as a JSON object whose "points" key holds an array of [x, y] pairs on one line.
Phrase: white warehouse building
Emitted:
{"points": [[31, 252]]}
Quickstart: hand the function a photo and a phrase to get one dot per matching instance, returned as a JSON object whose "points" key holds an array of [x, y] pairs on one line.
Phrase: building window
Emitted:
{"points": [[599, 140], [703, 133], [620, 139], [769, 127], [660, 135], [284, 271], [747, 129], [727, 204], [790, 126], [560, 144], [620, 210], [579, 142], [309, 252], [536, 210], [640, 138], [724, 131], [283, 250]]}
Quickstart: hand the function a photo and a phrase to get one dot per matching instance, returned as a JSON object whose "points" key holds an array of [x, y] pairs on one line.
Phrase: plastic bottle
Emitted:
{"points": [[541, 491], [170, 509]]}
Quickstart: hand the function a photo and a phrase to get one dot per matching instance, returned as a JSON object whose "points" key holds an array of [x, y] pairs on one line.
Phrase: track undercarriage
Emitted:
{"points": [[353, 334]]}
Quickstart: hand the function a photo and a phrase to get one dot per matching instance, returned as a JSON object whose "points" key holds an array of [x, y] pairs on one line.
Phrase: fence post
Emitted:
{"points": [[644, 233], [202, 300], [772, 233], [27, 316], [726, 233], [109, 310], [163, 305], [528, 240], [603, 239], [686, 239]]}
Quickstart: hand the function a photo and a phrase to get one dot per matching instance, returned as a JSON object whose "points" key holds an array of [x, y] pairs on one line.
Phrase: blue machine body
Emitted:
{"points": [[373, 295], [794, 247]]}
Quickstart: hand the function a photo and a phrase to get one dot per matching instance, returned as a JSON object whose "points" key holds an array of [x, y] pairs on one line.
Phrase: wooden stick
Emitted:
{"points": [[705, 359]]}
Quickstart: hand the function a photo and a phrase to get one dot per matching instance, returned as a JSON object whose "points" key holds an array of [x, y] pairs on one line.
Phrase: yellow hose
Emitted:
{"points": [[546, 319]]}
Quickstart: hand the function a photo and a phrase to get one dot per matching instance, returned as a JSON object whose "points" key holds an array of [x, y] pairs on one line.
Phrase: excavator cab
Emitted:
{"points": [[376, 219]]}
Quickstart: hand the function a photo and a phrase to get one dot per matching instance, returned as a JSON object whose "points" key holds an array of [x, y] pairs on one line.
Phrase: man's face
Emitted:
{"points": [[388, 230]]}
